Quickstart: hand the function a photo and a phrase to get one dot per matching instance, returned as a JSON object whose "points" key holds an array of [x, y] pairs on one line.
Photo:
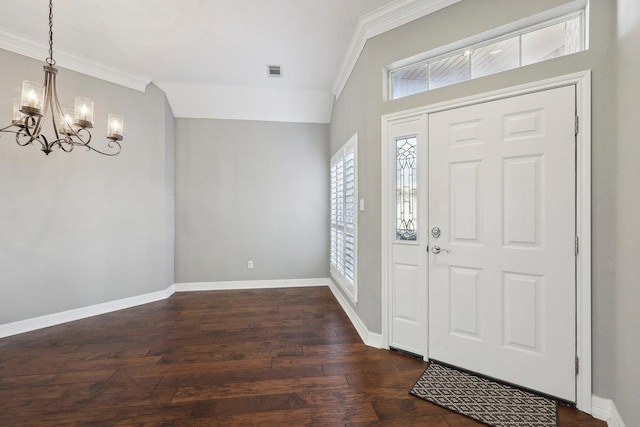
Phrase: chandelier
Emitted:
{"points": [[70, 127]]}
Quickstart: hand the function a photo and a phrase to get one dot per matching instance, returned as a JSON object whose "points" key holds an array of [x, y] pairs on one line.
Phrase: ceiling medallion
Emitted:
{"points": [[70, 127]]}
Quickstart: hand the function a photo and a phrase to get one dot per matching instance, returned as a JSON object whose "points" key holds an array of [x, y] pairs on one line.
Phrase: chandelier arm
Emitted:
{"points": [[65, 144], [83, 135], [57, 113], [6, 129], [39, 122], [119, 148], [31, 123], [50, 96], [19, 134]]}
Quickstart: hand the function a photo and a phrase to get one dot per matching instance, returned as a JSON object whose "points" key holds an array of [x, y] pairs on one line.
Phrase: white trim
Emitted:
{"points": [[605, 410], [386, 18], [20, 45], [600, 408], [371, 339], [615, 420], [583, 231], [273, 104], [28, 325], [250, 284], [583, 78], [582, 81]]}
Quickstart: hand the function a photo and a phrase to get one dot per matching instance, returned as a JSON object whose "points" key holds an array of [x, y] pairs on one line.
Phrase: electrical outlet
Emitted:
{"points": [[249, 264]]}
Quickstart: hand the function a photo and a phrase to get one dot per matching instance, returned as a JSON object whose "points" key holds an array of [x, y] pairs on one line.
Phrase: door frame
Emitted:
{"points": [[582, 82]]}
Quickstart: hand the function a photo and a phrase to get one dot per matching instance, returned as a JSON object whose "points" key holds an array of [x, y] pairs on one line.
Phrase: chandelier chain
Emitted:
{"points": [[50, 59]]}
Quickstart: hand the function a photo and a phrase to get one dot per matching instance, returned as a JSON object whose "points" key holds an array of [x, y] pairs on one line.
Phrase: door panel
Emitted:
{"points": [[464, 201], [523, 190], [502, 191], [463, 301]]}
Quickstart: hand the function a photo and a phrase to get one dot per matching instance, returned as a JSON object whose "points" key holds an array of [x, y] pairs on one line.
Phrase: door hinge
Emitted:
{"points": [[577, 128], [577, 365], [577, 245]]}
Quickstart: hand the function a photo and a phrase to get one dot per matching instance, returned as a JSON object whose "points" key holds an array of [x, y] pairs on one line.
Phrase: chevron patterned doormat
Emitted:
{"points": [[484, 400]]}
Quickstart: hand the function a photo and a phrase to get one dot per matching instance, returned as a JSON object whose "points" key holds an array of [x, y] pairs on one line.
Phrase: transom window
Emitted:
{"points": [[550, 39], [344, 196]]}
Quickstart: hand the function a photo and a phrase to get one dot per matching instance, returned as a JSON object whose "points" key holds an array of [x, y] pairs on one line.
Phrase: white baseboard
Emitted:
{"points": [[370, 338], [250, 284], [605, 410], [615, 420], [28, 325], [600, 408]]}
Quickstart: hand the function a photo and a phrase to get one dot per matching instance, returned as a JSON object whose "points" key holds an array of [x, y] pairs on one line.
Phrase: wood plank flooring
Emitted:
{"points": [[278, 357]]}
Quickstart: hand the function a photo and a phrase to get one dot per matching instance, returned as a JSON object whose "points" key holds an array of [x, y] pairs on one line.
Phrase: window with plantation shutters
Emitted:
{"points": [[344, 196]]}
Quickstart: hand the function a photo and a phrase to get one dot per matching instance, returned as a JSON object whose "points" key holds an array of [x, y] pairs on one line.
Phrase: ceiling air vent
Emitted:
{"points": [[274, 71]]}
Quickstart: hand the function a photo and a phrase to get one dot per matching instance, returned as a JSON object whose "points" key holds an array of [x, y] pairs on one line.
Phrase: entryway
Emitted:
{"points": [[482, 266]]}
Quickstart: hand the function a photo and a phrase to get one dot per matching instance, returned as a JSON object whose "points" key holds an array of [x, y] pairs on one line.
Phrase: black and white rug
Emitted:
{"points": [[495, 404]]}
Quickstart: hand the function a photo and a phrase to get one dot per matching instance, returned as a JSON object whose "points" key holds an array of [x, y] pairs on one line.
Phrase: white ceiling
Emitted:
{"points": [[214, 51]]}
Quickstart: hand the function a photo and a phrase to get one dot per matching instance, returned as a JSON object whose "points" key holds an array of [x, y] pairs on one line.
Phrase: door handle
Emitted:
{"points": [[437, 249]]}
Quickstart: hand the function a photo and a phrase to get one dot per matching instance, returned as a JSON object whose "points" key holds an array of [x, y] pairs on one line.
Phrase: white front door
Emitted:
{"points": [[502, 296], [407, 204]]}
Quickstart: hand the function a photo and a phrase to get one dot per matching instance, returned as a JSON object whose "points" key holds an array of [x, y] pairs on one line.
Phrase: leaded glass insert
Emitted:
{"points": [[406, 189]]}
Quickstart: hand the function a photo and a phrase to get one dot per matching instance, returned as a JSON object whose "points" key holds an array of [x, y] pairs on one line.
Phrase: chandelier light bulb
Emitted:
{"points": [[18, 117], [115, 126], [67, 122], [32, 100], [83, 112]]}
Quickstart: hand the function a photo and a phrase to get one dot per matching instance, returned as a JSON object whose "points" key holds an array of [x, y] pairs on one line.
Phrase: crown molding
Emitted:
{"points": [[247, 103], [23, 46], [386, 18]]}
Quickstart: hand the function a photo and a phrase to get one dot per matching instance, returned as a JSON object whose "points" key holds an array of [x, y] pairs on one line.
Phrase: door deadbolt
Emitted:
{"points": [[435, 232]]}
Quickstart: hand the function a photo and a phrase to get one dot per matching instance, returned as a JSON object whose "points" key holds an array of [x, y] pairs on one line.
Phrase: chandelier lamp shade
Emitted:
{"points": [[71, 127]]}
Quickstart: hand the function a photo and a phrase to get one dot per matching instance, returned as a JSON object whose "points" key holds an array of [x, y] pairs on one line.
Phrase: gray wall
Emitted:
{"points": [[625, 225], [78, 229], [248, 190], [360, 107]]}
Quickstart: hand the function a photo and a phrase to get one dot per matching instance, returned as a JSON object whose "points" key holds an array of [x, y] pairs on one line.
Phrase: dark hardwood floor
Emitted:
{"points": [[230, 358]]}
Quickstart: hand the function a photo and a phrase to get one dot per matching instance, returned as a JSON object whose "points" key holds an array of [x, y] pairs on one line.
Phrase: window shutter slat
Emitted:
{"points": [[343, 216]]}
